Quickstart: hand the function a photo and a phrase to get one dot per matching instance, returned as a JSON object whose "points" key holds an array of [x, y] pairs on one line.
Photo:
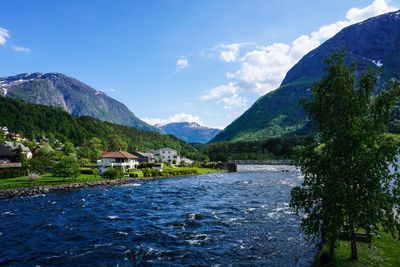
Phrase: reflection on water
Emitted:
{"points": [[216, 219]]}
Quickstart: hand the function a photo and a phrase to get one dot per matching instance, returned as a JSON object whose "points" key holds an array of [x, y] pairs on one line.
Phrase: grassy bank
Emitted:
{"points": [[23, 181], [384, 251]]}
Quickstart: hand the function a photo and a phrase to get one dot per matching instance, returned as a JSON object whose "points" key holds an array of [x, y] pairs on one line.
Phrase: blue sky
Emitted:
{"points": [[172, 60]]}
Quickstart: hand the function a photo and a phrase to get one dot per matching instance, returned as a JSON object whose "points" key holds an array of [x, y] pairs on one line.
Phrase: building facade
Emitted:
{"points": [[117, 159]]}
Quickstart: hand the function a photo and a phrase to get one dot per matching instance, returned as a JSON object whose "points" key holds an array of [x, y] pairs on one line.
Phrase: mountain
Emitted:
{"points": [[374, 42], [190, 132], [75, 97]]}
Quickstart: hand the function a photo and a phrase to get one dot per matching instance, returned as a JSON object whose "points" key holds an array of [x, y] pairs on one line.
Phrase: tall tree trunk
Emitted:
{"points": [[353, 242]]}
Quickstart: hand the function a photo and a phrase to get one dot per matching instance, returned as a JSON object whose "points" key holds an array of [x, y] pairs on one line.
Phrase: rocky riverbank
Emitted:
{"points": [[36, 190], [43, 189]]}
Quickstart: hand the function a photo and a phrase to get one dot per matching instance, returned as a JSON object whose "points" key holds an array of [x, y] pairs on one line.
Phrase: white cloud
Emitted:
{"points": [[376, 8], [182, 63], [263, 69], [4, 35], [227, 95], [228, 52], [219, 91], [20, 49], [232, 101], [181, 117]]}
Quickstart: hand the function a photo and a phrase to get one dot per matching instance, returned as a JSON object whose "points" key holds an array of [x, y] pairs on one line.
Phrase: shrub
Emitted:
{"points": [[146, 165], [112, 173], [11, 173], [133, 175], [147, 173], [87, 171]]}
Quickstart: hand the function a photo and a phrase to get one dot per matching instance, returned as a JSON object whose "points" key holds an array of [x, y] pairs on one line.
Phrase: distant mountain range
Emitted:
{"points": [[75, 97], [374, 42], [190, 132]]}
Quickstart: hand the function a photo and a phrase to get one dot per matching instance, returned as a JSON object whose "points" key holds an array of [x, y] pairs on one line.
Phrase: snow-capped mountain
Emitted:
{"points": [[190, 132], [75, 97]]}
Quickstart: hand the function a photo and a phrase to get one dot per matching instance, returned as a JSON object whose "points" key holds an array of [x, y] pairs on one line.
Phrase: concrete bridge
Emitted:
{"points": [[232, 165]]}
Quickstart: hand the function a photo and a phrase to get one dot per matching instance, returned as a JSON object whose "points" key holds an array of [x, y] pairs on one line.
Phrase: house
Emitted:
{"points": [[15, 146], [8, 154], [4, 129], [117, 159], [145, 157], [15, 137], [185, 160], [166, 155]]}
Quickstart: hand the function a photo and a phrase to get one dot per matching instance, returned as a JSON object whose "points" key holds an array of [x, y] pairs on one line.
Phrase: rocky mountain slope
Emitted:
{"points": [[190, 132], [374, 42], [75, 97]]}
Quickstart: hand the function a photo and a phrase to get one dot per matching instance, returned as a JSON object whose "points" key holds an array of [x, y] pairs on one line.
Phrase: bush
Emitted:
{"points": [[112, 173], [87, 171], [11, 173], [133, 175], [146, 165]]}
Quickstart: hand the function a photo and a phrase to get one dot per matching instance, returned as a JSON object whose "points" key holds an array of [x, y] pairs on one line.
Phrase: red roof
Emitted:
{"points": [[117, 155]]}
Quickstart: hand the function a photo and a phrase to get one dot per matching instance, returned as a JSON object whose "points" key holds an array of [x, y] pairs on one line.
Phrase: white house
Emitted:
{"points": [[117, 159], [166, 154], [185, 160]]}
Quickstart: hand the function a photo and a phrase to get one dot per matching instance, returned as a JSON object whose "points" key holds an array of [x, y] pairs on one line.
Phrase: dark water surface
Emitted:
{"points": [[223, 219]]}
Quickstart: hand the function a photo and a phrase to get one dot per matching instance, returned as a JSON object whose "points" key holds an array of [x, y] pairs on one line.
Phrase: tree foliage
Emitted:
{"points": [[347, 182], [273, 148], [66, 167], [33, 120]]}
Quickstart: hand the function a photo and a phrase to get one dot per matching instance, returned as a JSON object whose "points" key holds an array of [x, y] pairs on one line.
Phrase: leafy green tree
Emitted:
{"points": [[39, 164], [69, 149], [66, 167], [347, 182], [115, 143], [91, 150]]}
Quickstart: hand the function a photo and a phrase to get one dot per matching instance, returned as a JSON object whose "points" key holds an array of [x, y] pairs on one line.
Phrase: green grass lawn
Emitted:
{"points": [[384, 251], [197, 169], [23, 181]]}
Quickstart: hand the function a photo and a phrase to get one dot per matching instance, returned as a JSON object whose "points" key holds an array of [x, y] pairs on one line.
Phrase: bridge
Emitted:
{"points": [[232, 164]]}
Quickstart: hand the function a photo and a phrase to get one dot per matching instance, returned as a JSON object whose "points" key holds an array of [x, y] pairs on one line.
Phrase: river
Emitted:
{"points": [[219, 219]]}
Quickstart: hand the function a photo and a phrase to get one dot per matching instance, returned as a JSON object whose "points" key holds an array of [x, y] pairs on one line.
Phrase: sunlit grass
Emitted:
{"points": [[383, 251]]}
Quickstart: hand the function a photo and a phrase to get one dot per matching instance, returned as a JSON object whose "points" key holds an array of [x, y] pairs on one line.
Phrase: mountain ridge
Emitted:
{"points": [[370, 43], [77, 98], [190, 132]]}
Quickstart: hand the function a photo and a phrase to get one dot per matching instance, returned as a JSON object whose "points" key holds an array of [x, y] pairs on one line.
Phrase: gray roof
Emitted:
{"points": [[144, 154], [5, 151], [13, 146]]}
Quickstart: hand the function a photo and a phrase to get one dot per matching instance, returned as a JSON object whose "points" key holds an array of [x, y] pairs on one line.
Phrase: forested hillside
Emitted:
{"points": [[32, 120]]}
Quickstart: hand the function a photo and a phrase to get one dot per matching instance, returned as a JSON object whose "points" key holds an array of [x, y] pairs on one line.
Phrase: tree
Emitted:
{"points": [[347, 183], [66, 167], [115, 143], [91, 150], [69, 149], [39, 164]]}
